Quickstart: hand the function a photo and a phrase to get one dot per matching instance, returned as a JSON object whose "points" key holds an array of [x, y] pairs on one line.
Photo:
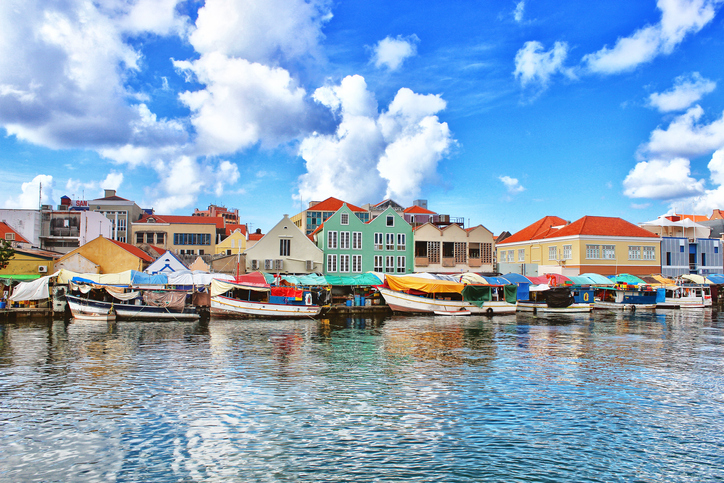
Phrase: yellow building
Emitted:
{"points": [[103, 255], [183, 235], [232, 244], [28, 264], [592, 244]]}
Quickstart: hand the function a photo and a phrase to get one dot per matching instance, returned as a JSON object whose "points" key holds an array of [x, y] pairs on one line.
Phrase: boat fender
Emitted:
{"points": [[490, 311], [308, 299], [633, 308], [535, 310]]}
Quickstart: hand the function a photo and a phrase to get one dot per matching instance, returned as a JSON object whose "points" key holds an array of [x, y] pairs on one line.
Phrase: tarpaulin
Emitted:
{"points": [[402, 284], [35, 290], [172, 300], [219, 287]]}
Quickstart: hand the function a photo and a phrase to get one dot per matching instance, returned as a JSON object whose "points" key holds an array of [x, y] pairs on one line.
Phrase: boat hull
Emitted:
{"points": [[623, 306], [229, 307], [543, 308], [402, 302], [128, 311]]}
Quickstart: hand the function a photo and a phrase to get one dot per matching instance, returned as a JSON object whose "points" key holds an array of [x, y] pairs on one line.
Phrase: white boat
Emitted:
{"points": [[129, 309], [625, 297], [687, 296], [453, 314], [83, 311], [414, 294], [557, 300], [256, 299]]}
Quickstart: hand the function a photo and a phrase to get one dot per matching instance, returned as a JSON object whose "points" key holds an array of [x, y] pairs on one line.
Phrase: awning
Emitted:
{"points": [[597, 279], [627, 279], [363, 279], [715, 278], [426, 285], [695, 278]]}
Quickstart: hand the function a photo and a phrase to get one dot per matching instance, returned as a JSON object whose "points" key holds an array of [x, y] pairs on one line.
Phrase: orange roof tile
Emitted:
{"points": [[255, 236], [134, 250], [230, 227], [5, 228], [174, 219], [418, 210], [333, 204], [535, 230], [602, 226]]}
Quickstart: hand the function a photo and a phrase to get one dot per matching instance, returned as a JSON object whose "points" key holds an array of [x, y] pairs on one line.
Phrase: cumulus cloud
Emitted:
{"points": [[392, 52], [393, 153], [519, 11], [686, 91], [511, 184], [686, 136], [534, 66], [92, 189], [678, 18], [38, 191], [662, 179]]}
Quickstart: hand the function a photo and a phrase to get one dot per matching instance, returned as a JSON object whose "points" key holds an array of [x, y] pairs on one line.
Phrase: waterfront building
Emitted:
{"points": [[166, 263], [319, 211], [25, 222], [229, 216], [63, 230], [597, 244], [452, 249], [29, 264], [14, 239], [235, 241], [104, 255], [184, 235], [284, 249], [350, 246], [120, 211]]}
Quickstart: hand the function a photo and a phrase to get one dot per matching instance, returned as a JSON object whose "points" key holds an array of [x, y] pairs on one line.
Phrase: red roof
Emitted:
{"points": [[230, 227], [111, 198], [173, 219], [602, 226], [133, 250], [333, 204], [158, 250], [694, 218], [5, 228], [418, 210], [534, 231], [255, 236]]}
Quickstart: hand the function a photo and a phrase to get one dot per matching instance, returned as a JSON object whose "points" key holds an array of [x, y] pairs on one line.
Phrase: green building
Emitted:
{"points": [[351, 246]]}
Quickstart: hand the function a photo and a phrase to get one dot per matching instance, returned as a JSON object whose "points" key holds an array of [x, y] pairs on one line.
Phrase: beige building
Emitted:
{"points": [[285, 249], [183, 235], [453, 249], [120, 211]]}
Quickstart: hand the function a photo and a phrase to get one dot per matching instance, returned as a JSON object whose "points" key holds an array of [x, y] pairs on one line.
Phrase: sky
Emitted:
{"points": [[497, 112]]}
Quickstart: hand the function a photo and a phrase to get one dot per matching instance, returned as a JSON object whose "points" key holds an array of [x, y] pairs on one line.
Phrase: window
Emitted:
{"points": [[567, 252], [379, 267], [344, 240], [390, 241], [160, 238], [400, 264], [487, 253], [511, 254], [401, 241], [649, 253], [609, 252], [285, 247], [593, 251], [459, 251], [344, 263], [379, 241], [344, 218], [433, 252], [552, 253], [389, 264], [332, 240], [521, 255], [503, 256], [139, 237], [356, 240], [357, 263], [390, 220], [192, 239], [634, 253], [331, 263], [149, 238]]}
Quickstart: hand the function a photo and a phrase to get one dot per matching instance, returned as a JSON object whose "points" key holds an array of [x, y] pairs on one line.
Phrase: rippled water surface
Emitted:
{"points": [[600, 397]]}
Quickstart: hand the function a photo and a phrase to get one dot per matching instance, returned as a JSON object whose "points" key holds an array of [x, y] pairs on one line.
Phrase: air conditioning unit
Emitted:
{"points": [[42, 268], [278, 264], [310, 265], [255, 264], [268, 264]]}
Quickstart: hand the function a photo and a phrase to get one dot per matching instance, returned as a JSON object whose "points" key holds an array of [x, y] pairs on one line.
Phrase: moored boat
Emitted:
{"points": [[557, 300], [625, 297], [258, 299]]}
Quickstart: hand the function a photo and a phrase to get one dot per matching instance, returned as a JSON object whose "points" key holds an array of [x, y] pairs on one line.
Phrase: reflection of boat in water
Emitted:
{"points": [[557, 300], [623, 296], [258, 299], [452, 313], [416, 294]]}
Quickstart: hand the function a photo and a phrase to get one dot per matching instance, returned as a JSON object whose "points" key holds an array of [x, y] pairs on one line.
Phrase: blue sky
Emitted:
{"points": [[498, 112]]}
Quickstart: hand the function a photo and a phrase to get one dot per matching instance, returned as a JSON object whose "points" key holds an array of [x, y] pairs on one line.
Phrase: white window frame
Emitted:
{"points": [[567, 252], [503, 256], [390, 221], [401, 262], [331, 263], [379, 241], [648, 253], [332, 240], [593, 252], [356, 240], [344, 240], [379, 263], [389, 264], [357, 263], [390, 241], [344, 263], [634, 252], [281, 247], [521, 254], [344, 218], [553, 253], [401, 242], [609, 252]]}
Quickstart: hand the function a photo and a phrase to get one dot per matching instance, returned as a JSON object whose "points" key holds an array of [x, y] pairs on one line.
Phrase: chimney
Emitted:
{"points": [[109, 193]]}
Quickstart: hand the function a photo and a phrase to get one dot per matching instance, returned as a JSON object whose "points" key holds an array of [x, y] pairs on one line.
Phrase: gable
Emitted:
{"points": [[399, 223], [166, 263]]}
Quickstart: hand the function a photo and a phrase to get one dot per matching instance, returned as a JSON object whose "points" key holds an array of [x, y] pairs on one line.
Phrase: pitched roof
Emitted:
{"points": [[5, 228], [111, 198], [255, 236], [174, 219], [694, 218], [134, 250], [230, 227], [603, 226], [333, 204], [39, 253], [418, 210], [535, 230]]}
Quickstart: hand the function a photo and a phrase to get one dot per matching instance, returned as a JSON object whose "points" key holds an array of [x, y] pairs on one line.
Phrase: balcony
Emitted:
{"points": [[448, 262], [422, 261], [475, 262]]}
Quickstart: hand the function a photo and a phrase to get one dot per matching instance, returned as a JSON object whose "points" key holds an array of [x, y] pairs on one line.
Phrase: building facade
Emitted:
{"points": [[184, 235], [453, 249], [284, 249], [64, 231], [120, 211], [319, 211]]}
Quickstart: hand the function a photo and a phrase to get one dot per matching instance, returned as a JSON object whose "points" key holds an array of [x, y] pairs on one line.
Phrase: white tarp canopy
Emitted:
{"points": [[197, 277], [123, 278], [219, 287], [683, 228], [35, 290]]}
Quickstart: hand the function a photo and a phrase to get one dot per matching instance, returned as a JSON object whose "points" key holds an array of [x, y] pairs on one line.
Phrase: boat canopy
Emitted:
{"points": [[626, 278], [715, 278], [473, 278], [35, 290], [404, 283], [694, 278], [516, 278], [363, 279], [219, 287], [479, 294], [311, 279], [497, 281], [579, 280]]}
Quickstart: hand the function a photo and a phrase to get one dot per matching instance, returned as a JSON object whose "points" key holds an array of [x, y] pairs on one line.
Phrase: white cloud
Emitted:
{"points": [[686, 91], [519, 11], [662, 179], [390, 52], [678, 18], [371, 155], [243, 103], [511, 184], [38, 191], [534, 66], [77, 188], [264, 32], [686, 136]]}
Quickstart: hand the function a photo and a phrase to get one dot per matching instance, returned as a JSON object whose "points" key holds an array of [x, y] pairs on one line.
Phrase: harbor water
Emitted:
{"points": [[596, 397]]}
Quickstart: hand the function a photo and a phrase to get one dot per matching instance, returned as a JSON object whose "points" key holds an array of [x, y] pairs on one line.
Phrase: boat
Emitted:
{"points": [[453, 313], [624, 296], [249, 298], [546, 299], [687, 296], [423, 295], [81, 310]]}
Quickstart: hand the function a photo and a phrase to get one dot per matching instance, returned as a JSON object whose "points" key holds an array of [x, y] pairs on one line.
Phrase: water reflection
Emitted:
{"points": [[572, 397]]}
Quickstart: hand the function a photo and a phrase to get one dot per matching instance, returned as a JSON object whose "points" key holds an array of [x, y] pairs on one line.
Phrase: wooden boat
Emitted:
{"points": [[82, 311], [258, 299], [625, 297], [129, 309], [559, 300], [687, 296], [422, 295]]}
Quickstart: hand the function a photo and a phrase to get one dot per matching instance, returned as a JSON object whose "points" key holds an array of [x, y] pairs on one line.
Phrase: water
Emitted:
{"points": [[584, 398]]}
